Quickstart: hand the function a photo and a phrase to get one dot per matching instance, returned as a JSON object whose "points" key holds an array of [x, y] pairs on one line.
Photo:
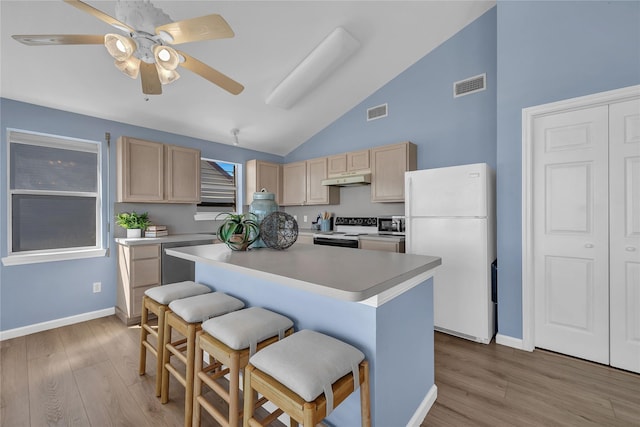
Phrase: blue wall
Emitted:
{"points": [[549, 51], [35, 293], [422, 109]]}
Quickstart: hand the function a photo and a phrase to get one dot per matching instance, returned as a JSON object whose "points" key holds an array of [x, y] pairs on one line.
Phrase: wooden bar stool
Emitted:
{"points": [[231, 340], [186, 317], [156, 300], [306, 375]]}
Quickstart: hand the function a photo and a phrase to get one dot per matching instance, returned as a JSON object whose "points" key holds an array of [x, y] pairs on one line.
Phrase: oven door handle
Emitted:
{"points": [[344, 243]]}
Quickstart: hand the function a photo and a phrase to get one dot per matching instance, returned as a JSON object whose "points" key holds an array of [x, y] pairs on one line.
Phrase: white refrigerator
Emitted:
{"points": [[450, 213]]}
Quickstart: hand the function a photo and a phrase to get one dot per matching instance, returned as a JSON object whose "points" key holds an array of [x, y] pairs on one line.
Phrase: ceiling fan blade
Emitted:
{"points": [[210, 74], [57, 39], [100, 15], [202, 28], [150, 81]]}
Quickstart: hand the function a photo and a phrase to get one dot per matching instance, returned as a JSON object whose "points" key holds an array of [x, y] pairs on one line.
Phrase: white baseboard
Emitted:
{"points": [[52, 324], [510, 341], [424, 407]]}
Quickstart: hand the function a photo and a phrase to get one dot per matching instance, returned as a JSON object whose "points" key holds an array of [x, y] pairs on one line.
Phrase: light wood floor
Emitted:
{"points": [[87, 374]]}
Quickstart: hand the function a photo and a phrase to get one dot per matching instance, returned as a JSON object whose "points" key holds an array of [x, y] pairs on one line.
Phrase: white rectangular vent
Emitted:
{"points": [[378, 112], [470, 85]]}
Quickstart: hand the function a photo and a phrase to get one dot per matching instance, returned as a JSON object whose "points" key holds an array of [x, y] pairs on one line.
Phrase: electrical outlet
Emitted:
{"points": [[304, 218], [97, 287]]}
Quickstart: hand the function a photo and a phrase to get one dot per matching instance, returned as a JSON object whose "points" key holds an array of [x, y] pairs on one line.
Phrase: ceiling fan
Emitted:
{"points": [[145, 50]]}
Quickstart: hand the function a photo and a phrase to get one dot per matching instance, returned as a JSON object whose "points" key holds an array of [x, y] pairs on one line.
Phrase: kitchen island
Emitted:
{"points": [[380, 302]]}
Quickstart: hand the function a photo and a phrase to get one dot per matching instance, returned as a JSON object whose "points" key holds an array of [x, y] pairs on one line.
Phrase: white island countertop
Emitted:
{"points": [[341, 273]]}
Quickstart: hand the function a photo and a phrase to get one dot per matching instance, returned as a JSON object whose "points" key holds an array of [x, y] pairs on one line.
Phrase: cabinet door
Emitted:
{"points": [[358, 160], [183, 174], [317, 194], [294, 183], [388, 165], [263, 175], [140, 170], [337, 164]]}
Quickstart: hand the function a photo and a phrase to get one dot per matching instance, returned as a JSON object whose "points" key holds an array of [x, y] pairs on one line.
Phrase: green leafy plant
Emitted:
{"points": [[133, 220], [238, 231]]}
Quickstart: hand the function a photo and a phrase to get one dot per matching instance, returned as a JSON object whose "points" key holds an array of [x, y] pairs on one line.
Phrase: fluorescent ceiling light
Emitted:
{"points": [[317, 66]]}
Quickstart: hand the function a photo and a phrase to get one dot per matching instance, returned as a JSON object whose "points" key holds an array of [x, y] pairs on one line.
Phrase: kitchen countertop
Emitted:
{"points": [[165, 239], [340, 273]]}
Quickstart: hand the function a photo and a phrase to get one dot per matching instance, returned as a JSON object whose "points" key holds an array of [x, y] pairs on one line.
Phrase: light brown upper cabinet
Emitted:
{"points": [[294, 183], [318, 194], [388, 165], [151, 172], [301, 184], [348, 162], [261, 174]]}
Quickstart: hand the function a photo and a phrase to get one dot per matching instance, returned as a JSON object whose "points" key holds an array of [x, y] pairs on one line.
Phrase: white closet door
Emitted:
{"points": [[624, 160], [570, 236]]}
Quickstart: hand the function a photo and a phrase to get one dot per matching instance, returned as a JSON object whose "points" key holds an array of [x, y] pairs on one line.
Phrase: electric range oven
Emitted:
{"points": [[347, 233]]}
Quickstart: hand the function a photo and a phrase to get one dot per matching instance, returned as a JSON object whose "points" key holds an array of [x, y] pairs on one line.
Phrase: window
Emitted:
{"points": [[218, 186], [54, 205]]}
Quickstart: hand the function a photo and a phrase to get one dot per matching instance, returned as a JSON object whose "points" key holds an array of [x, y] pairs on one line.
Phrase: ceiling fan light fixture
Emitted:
{"points": [[166, 76], [130, 67], [120, 47], [166, 57]]}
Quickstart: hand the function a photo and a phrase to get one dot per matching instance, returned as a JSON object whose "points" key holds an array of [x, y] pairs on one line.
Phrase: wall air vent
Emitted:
{"points": [[470, 85], [378, 112]]}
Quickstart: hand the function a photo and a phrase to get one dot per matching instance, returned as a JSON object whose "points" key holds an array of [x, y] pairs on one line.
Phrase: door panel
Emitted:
{"points": [[625, 234], [570, 222]]}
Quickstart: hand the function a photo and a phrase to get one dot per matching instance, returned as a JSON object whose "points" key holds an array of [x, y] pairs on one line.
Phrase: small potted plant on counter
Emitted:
{"points": [[238, 231], [133, 222]]}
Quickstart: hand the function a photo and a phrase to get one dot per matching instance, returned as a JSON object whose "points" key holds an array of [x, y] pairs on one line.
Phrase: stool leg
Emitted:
{"points": [[188, 393], [234, 390], [307, 415], [166, 356], [249, 396], [160, 349], [143, 336], [365, 400], [197, 382]]}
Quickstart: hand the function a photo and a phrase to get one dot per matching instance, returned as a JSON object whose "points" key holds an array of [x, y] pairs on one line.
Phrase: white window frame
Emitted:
{"points": [[16, 136], [209, 216]]}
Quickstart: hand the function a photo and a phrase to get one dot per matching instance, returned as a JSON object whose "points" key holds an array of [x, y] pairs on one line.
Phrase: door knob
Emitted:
{"points": [[588, 245], [630, 248]]}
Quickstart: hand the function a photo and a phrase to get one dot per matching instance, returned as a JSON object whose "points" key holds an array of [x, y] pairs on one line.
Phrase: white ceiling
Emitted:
{"points": [[271, 38]]}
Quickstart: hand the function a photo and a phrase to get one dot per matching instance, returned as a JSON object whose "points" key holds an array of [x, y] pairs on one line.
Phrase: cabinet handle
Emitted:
{"points": [[588, 245], [630, 248]]}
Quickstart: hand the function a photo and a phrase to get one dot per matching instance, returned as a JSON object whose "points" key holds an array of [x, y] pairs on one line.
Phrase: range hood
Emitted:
{"points": [[348, 180]]}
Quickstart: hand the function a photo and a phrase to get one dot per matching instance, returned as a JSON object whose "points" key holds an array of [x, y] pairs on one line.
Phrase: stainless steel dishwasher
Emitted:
{"points": [[177, 269]]}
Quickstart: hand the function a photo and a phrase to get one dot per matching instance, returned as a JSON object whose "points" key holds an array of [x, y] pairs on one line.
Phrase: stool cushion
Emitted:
{"points": [[166, 293], [245, 328], [199, 308], [308, 362]]}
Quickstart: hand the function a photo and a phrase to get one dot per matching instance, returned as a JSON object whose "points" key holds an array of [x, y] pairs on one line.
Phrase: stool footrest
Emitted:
{"points": [[151, 348], [181, 379], [150, 329], [217, 415]]}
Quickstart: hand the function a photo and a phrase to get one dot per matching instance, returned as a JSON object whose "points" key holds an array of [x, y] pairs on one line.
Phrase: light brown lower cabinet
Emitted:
{"points": [[379, 245], [138, 270]]}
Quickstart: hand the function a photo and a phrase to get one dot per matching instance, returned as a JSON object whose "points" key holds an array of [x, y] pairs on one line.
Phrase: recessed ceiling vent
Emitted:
{"points": [[378, 112], [470, 85]]}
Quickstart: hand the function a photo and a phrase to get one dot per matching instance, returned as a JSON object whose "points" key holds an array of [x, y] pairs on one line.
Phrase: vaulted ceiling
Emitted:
{"points": [[271, 38]]}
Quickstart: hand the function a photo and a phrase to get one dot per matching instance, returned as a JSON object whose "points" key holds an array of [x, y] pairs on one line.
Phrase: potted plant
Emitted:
{"points": [[238, 231], [133, 222]]}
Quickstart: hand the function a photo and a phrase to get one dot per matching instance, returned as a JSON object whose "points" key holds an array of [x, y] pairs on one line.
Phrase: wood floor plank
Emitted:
{"points": [[43, 344], [82, 346], [108, 401], [14, 387], [54, 399]]}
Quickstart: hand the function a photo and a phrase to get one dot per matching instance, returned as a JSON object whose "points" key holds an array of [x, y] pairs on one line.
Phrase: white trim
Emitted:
{"points": [[389, 294], [510, 342], [50, 257], [528, 116], [57, 323], [424, 408]]}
